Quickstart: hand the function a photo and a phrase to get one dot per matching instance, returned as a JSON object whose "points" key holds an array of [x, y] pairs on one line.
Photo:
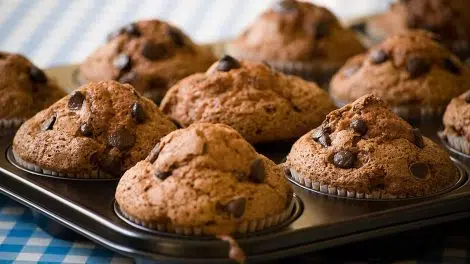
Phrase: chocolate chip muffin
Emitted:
{"points": [[364, 150], [98, 131], [261, 104], [298, 38], [457, 123], [25, 90], [449, 19], [205, 179], [410, 71], [151, 55]]}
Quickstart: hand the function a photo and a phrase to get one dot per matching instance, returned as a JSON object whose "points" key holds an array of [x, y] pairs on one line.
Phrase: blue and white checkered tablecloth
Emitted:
{"points": [[55, 32]]}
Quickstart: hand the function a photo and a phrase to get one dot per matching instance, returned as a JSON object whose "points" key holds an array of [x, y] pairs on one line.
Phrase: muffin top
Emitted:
{"points": [[364, 147], [457, 116], [25, 89], [449, 19], [150, 54], [104, 125], [204, 175], [406, 69], [260, 103], [296, 31]]}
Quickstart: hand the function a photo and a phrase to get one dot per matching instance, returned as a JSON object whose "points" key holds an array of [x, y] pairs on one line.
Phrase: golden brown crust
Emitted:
{"points": [[304, 33], [21, 95], [112, 140], [392, 80], [159, 55], [204, 168], [261, 104], [384, 155]]}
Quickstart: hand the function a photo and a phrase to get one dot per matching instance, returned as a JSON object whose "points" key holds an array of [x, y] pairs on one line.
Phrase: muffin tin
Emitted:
{"points": [[317, 221]]}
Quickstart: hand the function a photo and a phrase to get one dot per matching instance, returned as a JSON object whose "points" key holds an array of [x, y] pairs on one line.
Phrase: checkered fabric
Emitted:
{"points": [[21, 241]]}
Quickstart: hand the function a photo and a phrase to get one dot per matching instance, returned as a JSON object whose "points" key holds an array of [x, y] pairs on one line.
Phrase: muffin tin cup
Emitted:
{"points": [[29, 167], [331, 190], [409, 112], [242, 228], [459, 143]]}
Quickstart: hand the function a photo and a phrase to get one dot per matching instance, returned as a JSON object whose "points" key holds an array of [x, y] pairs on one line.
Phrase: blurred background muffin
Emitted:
{"points": [[449, 19], [412, 72], [457, 125], [152, 55], [297, 38], [24, 90]]}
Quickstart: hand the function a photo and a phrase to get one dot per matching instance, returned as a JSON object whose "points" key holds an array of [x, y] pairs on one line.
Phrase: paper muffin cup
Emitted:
{"points": [[459, 143], [345, 193], [245, 227], [94, 174], [7, 125], [410, 112], [319, 70]]}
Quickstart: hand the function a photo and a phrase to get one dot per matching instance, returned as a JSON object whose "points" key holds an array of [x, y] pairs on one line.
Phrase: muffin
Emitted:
{"points": [[261, 104], [449, 19], [98, 131], [364, 150], [151, 55], [297, 38], [205, 179], [25, 90], [414, 74], [457, 125]]}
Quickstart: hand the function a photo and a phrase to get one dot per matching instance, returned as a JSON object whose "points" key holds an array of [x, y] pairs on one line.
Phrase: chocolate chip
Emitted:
{"points": [[417, 67], [132, 30], [359, 27], [237, 207], [111, 164], [122, 62], [284, 6], [319, 135], [227, 63], [461, 49], [359, 126], [176, 36], [153, 51], [86, 130], [467, 98], [321, 30], [378, 56], [153, 156], [257, 173], [450, 65], [76, 100], [138, 113], [162, 175], [48, 124], [344, 159], [128, 77], [37, 75], [122, 138], [419, 170], [350, 70], [418, 138]]}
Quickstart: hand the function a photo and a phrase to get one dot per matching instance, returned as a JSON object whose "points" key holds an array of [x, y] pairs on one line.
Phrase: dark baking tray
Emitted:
{"points": [[87, 208]]}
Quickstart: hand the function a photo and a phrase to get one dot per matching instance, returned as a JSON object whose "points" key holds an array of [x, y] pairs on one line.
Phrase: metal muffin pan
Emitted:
{"points": [[318, 222]]}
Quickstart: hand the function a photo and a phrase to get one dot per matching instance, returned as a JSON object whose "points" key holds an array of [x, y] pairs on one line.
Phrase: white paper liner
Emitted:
{"points": [[422, 112], [11, 123], [344, 193], [458, 143], [95, 174], [247, 226]]}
